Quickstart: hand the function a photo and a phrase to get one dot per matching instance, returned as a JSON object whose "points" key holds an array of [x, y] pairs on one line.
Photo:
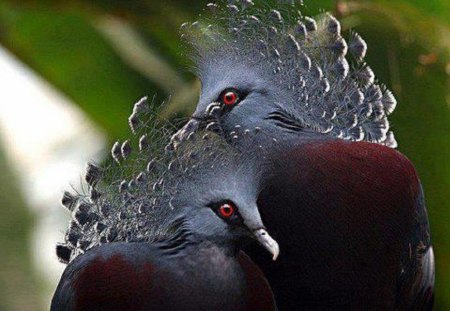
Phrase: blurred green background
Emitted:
{"points": [[105, 54]]}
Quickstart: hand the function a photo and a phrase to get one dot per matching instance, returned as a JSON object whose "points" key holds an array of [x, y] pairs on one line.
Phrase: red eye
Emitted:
{"points": [[230, 98], [226, 210]]}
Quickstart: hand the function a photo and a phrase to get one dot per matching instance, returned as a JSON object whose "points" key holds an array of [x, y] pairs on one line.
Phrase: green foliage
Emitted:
{"points": [[70, 45]]}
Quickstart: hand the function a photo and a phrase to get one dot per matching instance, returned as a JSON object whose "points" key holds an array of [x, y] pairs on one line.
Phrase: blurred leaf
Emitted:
{"points": [[68, 52], [140, 56]]}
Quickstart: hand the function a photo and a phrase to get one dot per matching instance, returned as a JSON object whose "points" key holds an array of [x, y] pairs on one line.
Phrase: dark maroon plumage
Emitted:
{"points": [[138, 276], [352, 227]]}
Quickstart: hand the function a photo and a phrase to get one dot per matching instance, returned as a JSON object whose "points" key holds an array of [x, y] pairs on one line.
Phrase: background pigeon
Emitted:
{"points": [[347, 209]]}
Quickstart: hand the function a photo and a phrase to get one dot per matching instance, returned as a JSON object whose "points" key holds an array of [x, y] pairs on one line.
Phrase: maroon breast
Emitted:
{"points": [[115, 284], [259, 296], [342, 213]]}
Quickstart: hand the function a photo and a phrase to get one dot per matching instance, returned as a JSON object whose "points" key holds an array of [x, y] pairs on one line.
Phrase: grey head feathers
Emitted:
{"points": [[309, 75], [144, 191]]}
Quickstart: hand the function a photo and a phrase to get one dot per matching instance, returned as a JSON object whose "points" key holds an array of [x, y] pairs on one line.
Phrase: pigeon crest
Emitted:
{"points": [[141, 195], [322, 79]]}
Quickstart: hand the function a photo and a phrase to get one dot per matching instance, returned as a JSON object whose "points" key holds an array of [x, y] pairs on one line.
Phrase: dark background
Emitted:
{"points": [[105, 54]]}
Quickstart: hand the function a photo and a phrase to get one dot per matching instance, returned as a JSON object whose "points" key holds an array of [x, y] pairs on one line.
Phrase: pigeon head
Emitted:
{"points": [[286, 73], [235, 93], [217, 200], [205, 190]]}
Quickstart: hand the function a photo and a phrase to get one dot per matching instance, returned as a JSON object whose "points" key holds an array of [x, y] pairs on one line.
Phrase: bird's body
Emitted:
{"points": [[352, 228], [162, 276]]}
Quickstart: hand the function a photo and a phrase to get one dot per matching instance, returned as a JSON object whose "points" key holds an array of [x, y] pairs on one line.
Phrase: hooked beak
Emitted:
{"points": [[263, 237], [252, 219]]}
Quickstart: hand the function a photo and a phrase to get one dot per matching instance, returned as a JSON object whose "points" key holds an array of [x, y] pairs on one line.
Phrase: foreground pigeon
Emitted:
{"points": [[164, 232]]}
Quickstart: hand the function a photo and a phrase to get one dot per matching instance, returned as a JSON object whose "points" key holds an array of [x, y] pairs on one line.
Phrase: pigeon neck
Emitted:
{"points": [[276, 139], [213, 268]]}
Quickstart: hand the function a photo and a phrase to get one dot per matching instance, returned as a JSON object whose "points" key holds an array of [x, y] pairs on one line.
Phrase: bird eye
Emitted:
{"points": [[226, 210], [230, 98]]}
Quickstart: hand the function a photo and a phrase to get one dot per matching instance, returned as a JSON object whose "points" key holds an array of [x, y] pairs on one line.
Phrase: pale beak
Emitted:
{"points": [[263, 237], [252, 219]]}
